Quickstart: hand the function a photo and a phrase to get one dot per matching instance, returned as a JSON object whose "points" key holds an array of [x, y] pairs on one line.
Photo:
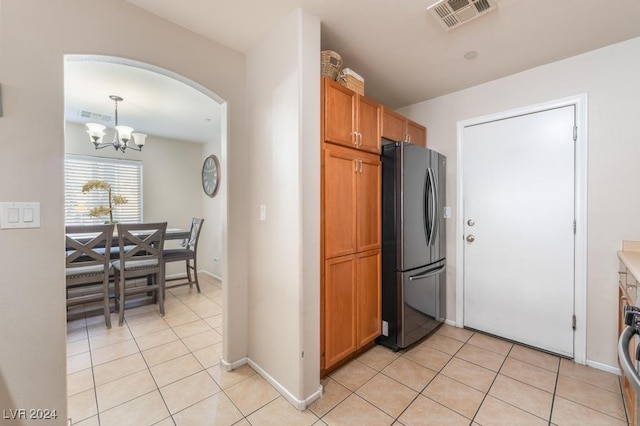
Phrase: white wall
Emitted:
{"points": [[34, 37], [610, 77], [210, 250], [171, 183], [284, 98]]}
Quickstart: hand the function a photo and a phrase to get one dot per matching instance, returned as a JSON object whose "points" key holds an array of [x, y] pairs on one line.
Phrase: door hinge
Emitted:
{"points": [[574, 227], [573, 322], [575, 133]]}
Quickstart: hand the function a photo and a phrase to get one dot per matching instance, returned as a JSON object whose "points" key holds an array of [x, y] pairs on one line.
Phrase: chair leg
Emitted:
{"points": [[160, 281], [189, 280], [116, 293], [195, 273], [107, 312], [120, 283]]}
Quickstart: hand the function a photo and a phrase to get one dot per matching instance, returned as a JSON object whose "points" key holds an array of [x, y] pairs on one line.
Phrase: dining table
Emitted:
{"points": [[170, 234]]}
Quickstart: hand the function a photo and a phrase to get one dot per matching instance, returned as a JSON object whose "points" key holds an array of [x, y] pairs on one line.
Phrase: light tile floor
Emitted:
{"points": [[165, 371]]}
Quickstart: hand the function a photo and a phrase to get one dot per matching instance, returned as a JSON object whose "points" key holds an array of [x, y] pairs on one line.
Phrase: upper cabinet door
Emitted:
{"points": [[393, 125], [339, 112], [368, 125], [339, 201], [368, 208], [417, 133]]}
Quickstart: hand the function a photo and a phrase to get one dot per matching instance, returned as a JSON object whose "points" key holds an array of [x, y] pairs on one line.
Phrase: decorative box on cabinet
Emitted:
{"points": [[397, 127], [349, 119], [628, 276]]}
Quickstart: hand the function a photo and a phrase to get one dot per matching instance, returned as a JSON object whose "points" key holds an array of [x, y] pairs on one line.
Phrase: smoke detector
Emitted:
{"points": [[454, 13]]}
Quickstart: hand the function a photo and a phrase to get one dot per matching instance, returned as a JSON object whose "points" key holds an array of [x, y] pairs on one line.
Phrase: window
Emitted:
{"points": [[124, 176]]}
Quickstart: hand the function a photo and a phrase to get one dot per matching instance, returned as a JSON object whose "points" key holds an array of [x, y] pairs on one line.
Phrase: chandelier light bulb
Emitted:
{"points": [[96, 132]]}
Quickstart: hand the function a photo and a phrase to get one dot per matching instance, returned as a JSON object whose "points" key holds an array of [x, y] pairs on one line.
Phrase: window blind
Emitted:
{"points": [[124, 176]]}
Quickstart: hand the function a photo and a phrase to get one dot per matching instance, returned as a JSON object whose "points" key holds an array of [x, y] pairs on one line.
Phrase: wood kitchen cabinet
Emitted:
{"points": [[350, 295], [397, 127], [628, 276], [351, 195], [368, 293], [352, 304], [349, 119]]}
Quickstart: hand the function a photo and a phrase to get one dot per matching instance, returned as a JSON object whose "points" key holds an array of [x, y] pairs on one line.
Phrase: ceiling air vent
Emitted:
{"points": [[95, 116], [453, 13]]}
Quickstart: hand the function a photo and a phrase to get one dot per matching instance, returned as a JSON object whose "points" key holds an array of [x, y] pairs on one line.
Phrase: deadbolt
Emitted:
{"points": [[470, 238], [470, 222]]}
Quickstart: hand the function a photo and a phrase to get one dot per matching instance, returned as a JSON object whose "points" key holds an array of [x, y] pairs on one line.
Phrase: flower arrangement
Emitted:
{"points": [[115, 200]]}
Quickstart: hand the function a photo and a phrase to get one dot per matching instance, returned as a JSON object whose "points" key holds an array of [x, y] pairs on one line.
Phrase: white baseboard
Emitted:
{"points": [[174, 276], [184, 275], [450, 322], [211, 275], [604, 367], [229, 366], [300, 404]]}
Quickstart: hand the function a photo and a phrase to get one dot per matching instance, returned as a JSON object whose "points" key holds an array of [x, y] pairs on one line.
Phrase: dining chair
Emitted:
{"points": [[141, 246], [188, 254], [87, 267]]}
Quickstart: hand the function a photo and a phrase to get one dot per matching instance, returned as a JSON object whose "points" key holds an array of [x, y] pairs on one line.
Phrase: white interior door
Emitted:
{"points": [[518, 201]]}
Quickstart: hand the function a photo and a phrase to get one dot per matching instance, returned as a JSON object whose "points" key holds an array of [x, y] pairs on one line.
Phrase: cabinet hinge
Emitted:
{"points": [[573, 322], [575, 133]]}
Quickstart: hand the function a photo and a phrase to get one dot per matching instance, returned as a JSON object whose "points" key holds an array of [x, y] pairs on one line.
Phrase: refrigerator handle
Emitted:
{"points": [[425, 212], [433, 213], [436, 208], [428, 274]]}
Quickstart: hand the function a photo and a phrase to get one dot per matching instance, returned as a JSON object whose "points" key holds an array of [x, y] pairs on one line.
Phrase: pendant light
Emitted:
{"points": [[122, 135]]}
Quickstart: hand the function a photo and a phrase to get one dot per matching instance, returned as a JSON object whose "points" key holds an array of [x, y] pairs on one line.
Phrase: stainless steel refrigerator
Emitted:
{"points": [[413, 243]]}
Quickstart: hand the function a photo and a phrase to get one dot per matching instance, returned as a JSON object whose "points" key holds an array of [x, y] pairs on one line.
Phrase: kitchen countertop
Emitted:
{"points": [[631, 259]]}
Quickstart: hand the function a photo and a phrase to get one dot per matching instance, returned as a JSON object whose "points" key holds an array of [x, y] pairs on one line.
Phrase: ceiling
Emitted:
{"points": [[401, 51], [152, 103]]}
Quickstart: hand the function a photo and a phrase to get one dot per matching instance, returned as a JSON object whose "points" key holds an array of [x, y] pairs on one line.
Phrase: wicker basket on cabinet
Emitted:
{"points": [[330, 64]]}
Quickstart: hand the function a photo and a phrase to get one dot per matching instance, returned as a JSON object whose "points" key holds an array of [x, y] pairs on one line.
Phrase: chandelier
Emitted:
{"points": [[121, 137]]}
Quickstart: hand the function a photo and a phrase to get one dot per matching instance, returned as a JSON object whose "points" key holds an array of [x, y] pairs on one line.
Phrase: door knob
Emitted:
{"points": [[470, 238], [470, 222]]}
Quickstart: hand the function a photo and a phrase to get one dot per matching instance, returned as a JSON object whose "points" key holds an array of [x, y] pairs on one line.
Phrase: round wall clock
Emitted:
{"points": [[211, 175]]}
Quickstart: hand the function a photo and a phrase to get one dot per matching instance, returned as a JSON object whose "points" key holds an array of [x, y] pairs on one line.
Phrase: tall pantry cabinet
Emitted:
{"points": [[351, 224]]}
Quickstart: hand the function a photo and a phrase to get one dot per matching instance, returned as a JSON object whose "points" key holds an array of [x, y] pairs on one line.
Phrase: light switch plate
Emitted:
{"points": [[19, 215]]}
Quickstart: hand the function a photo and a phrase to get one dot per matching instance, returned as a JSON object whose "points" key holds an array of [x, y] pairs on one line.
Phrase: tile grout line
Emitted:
{"points": [[434, 377], [492, 383], [555, 389]]}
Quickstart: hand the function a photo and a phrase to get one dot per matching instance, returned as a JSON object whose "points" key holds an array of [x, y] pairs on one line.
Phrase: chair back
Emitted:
{"points": [[141, 246], [194, 235], [85, 249]]}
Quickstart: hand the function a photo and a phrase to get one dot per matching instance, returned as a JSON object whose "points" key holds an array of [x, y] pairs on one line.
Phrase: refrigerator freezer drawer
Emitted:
{"points": [[422, 302]]}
